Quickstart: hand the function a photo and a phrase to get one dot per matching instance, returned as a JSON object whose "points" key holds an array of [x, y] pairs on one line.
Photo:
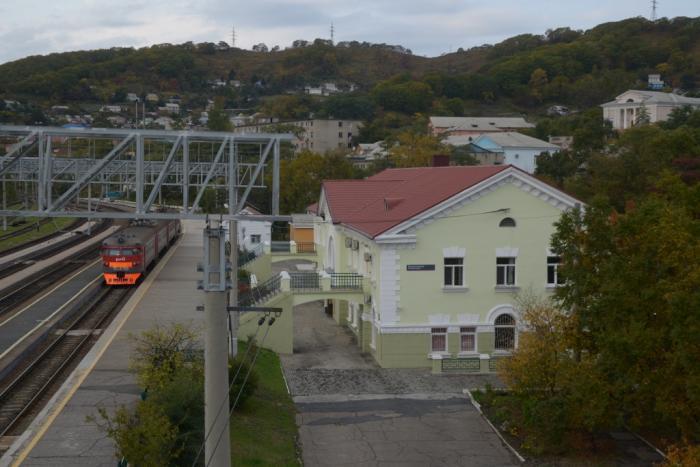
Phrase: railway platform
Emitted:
{"points": [[61, 435]]}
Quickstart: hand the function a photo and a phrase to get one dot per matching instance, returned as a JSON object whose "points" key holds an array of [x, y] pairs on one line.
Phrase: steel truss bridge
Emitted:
{"points": [[59, 165]]}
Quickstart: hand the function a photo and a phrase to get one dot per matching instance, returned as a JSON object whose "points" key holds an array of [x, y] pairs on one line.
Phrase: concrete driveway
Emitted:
{"points": [[353, 413]]}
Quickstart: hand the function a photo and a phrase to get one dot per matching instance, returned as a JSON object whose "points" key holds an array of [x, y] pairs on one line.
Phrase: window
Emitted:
{"points": [[504, 332], [553, 276], [454, 272], [349, 134], [340, 124], [507, 222], [255, 238], [467, 339], [438, 340], [505, 271], [340, 134]]}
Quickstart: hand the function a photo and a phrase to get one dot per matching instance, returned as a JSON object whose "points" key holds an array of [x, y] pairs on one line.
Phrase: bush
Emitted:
{"points": [[168, 426]]}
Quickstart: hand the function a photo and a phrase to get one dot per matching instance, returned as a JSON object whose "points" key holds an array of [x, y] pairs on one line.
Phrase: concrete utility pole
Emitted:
{"points": [[233, 293], [217, 448]]}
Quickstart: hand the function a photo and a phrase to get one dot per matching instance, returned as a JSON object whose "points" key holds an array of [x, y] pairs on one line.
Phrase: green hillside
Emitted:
{"points": [[575, 68]]}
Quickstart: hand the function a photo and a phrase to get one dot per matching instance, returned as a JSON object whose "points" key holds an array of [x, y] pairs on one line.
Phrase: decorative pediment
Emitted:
{"points": [[512, 176]]}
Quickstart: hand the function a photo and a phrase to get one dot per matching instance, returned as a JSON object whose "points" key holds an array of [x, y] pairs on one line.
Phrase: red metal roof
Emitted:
{"points": [[378, 203]]}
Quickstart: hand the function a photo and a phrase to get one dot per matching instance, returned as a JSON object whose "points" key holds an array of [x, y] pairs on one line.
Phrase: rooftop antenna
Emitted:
{"points": [[233, 36], [654, 4], [332, 33]]}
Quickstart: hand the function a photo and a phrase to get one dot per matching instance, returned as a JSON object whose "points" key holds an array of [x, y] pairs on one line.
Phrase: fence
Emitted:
{"points": [[306, 247], [344, 280], [304, 281]]}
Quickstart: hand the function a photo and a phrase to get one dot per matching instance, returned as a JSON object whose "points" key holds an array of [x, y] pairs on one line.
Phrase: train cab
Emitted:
{"points": [[123, 265]]}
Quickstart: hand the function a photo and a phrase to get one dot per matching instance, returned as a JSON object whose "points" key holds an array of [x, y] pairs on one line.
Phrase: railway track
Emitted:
{"points": [[73, 225], [20, 292], [12, 267], [33, 384]]}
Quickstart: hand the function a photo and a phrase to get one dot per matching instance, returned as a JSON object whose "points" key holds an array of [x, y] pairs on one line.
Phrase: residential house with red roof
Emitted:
{"points": [[446, 250]]}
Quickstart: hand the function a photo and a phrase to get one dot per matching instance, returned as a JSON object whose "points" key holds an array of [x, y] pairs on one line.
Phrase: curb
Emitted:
{"points": [[477, 406]]}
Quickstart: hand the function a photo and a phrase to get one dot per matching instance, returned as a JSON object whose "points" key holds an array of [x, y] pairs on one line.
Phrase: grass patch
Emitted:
{"points": [[56, 224], [264, 431]]}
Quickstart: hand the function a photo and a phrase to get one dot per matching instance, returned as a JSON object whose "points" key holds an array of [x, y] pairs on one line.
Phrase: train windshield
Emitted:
{"points": [[119, 252]]}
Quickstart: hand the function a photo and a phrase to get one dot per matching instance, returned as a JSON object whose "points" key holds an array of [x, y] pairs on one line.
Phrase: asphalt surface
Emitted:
{"points": [[353, 413]]}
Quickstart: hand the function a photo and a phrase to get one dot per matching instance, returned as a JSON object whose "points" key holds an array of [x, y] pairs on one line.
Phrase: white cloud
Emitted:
{"points": [[39, 27]]}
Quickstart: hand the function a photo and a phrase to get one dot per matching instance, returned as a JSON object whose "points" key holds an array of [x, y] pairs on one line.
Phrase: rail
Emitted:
{"points": [[27, 389], [345, 280], [262, 292], [280, 247], [246, 256], [306, 247], [304, 281]]}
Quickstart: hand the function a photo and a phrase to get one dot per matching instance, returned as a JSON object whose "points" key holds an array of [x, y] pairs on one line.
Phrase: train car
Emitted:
{"points": [[127, 254]]}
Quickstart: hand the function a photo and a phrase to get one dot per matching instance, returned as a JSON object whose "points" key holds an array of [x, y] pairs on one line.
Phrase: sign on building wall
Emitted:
{"points": [[420, 267]]}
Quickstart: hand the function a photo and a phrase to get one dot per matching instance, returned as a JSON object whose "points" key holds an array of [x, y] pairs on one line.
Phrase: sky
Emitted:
{"points": [[430, 28]]}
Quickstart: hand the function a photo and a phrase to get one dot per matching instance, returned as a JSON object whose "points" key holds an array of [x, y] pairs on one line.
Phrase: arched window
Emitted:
{"points": [[504, 332], [507, 222]]}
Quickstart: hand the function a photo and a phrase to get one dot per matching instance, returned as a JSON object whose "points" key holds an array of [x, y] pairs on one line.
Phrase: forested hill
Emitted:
{"points": [[563, 66]]}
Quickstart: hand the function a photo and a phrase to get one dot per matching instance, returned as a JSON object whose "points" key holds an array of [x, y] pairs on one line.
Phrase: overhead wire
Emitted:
{"points": [[271, 321], [252, 340]]}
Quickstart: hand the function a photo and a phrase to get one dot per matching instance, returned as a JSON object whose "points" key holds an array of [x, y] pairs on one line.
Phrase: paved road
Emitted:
{"points": [[351, 412]]}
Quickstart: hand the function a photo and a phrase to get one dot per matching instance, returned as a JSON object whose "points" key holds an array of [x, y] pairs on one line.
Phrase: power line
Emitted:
{"points": [[261, 321], [270, 322]]}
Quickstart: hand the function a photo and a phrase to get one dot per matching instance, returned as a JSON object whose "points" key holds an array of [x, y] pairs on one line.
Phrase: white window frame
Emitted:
{"points": [[555, 267], [453, 269], [505, 268], [437, 332], [467, 331]]}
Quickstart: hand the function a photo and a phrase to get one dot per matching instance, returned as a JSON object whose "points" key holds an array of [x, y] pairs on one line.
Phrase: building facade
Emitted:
{"points": [[630, 107], [317, 135], [446, 251], [475, 126], [517, 149]]}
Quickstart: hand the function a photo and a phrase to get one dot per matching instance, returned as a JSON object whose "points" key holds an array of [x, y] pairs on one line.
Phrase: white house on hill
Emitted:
{"points": [[625, 110]]}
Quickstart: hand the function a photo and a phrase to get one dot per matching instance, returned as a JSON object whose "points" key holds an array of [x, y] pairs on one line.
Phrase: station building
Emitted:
{"points": [[446, 251]]}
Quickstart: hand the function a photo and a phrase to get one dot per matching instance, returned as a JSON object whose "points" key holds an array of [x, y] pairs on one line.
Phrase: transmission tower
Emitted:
{"points": [[654, 5], [233, 36], [332, 33]]}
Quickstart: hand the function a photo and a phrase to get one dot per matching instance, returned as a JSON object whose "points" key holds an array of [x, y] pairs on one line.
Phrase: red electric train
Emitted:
{"points": [[127, 254]]}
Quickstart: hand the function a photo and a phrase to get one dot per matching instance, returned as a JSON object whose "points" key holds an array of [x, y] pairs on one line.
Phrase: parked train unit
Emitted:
{"points": [[127, 254]]}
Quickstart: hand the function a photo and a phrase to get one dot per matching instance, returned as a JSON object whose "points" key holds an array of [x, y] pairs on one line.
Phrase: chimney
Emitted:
{"points": [[441, 160]]}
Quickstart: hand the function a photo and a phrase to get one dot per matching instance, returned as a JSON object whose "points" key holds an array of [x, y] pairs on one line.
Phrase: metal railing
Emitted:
{"points": [[262, 292], [306, 247], [246, 256], [344, 280], [300, 281], [280, 247]]}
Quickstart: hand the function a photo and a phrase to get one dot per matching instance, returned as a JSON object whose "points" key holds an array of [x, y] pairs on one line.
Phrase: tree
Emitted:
{"points": [[416, 150], [643, 265], [218, 118], [555, 397], [538, 82], [304, 174]]}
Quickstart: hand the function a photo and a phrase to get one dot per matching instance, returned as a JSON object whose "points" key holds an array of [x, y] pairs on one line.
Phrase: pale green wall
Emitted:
{"points": [[280, 339], [422, 292], [261, 267]]}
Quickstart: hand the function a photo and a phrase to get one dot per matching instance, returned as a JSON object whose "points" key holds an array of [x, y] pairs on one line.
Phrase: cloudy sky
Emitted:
{"points": [[30, 27]]}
